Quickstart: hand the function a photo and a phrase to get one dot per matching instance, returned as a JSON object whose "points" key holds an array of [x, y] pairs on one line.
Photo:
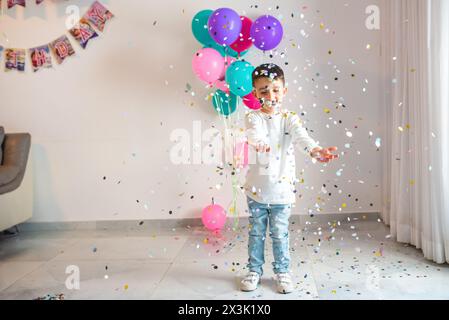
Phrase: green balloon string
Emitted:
{"points": [[225, 115]]}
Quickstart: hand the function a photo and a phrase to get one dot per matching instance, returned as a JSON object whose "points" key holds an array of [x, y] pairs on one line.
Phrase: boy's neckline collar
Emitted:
{"points": [[270, 115]]}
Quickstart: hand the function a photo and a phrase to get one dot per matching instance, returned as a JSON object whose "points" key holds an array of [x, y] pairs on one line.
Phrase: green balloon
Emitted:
{"points": [[217, 47], [239, 78], [200, 28], [224, 103]]}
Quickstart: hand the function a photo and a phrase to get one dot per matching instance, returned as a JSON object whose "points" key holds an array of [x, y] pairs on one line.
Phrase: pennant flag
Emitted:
{"points": [[83, 32], [98, 15], [12, 3], [15, 59], [40, 57], [62, 48]]}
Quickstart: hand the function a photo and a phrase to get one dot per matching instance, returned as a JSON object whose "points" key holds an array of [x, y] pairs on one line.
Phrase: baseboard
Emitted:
{"points": [[164, 224]]}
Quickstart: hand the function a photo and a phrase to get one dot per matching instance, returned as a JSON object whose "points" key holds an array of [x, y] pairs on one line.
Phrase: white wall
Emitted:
{"points": [[109, 110]]}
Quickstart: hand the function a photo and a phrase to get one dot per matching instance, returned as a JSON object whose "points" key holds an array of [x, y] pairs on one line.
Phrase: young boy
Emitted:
{"points": [[270, 182]]}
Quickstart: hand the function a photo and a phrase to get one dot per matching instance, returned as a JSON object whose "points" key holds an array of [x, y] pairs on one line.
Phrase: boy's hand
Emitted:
{"points": [[324, 155], [263, 148]]}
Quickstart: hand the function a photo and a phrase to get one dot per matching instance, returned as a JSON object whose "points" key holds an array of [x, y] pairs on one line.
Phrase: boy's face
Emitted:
{"points": [[270, 92]]}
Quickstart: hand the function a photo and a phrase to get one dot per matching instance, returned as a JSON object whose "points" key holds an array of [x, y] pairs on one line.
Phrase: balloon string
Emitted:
{"points": [[230, 124]]}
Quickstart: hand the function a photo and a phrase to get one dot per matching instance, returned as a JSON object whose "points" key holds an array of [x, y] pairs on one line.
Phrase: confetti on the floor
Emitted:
{"points": [[50, 296]]}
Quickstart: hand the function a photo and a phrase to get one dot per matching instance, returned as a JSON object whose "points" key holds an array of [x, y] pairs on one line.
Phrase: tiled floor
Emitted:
{"points": [[353, 260]]}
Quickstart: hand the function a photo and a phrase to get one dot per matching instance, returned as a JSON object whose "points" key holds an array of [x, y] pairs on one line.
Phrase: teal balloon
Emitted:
{"points": [[217, 47], [224, 103], [239, 78], [200, 29]]}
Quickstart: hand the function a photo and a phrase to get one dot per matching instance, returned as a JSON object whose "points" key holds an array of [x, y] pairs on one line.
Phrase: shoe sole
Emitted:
{"points": [[284, 292], [251, 290]]}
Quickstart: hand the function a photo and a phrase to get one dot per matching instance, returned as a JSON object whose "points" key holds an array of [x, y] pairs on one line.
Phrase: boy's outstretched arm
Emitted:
{"points": [[306, 144], [255, 135]]}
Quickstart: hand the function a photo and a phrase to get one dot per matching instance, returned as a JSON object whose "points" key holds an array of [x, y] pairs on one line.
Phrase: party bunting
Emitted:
{"points": [[12, 3], [15, 59], [40, 57], [83, 32], [98, 15], [62, 48]]}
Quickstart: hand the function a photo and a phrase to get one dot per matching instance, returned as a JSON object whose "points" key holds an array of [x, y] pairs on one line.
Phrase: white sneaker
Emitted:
{"points": [[284, 283], [250, 282]]}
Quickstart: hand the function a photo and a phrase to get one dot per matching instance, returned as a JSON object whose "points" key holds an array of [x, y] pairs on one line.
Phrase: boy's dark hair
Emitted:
{"points": [[268, 70]]}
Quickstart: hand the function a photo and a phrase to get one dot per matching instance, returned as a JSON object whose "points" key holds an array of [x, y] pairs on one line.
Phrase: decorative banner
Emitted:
{"points": [[98, 15], [15, 59], [62, 48], [83, 32], [12, 3], [40, 57]]}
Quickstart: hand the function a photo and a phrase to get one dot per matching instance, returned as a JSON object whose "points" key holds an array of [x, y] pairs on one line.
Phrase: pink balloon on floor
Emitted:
{"points": [[252, 102], [214, 217]]}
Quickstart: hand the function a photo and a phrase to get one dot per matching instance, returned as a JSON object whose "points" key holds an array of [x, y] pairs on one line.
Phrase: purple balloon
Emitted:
{"points": [[266, 32], [224, 26]]}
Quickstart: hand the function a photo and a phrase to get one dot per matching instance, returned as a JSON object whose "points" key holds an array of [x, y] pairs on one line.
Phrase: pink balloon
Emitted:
{"points": [[244, 41], [228, 60], [241, 154], [208, 65], [252, 102], [222, 85], [214, 217]]}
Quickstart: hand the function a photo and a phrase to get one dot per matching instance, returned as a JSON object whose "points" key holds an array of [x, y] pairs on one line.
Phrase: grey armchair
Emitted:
{"points": [[15, 204]]}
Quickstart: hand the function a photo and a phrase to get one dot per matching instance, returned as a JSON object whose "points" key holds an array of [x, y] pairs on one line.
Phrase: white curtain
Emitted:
{"points": [[415, 55]]}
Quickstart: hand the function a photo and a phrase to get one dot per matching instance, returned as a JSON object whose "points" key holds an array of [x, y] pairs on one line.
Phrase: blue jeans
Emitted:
{"points": [[277, 216]]}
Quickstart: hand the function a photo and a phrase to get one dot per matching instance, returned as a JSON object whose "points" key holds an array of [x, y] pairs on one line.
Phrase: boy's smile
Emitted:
{"points": [[270, 93]]}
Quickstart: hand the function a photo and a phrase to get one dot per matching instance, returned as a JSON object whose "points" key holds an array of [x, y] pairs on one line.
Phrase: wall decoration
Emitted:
{"points": [[83, 32], [15, 59], [40, 57], [12, 3], [98, 15], [62, 48]]}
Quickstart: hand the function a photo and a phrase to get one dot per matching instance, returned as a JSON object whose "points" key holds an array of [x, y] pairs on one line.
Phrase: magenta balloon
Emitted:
{"points": [[252, 102], [224, 26], [208, 65], [267, 32], [244, 41]]}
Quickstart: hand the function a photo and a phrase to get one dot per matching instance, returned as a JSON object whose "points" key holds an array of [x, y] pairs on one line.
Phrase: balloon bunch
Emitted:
{"points": [[226, 37]]}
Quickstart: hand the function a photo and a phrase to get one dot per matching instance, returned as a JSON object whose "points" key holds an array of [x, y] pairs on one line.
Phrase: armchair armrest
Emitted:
{"points": [[16, 149]]}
